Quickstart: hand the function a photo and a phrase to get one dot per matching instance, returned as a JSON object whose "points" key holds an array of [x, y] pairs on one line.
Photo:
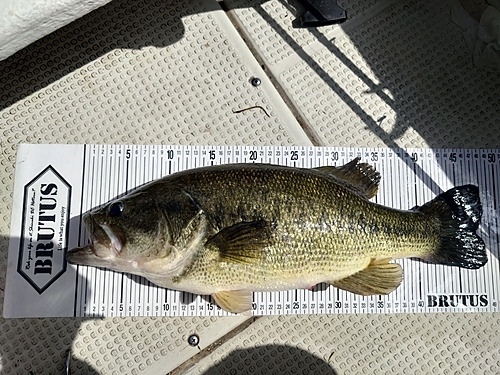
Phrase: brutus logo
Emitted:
{"points": [[45, 226], [457, 300]]}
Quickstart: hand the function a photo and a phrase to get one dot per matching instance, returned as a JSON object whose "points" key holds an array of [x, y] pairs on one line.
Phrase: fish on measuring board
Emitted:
{"points": [[230, 230]]}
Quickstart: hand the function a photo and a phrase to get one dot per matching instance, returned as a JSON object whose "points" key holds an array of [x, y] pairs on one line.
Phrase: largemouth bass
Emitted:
{"points": [[231, 230]]}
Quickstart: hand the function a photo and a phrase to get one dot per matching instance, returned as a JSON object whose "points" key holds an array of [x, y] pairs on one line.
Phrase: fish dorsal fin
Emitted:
{"points": [[361, 177], [380, 277], [235, 301], [242, 242]]}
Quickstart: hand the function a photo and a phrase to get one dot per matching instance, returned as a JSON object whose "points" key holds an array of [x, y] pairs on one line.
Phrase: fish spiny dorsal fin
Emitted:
{"points": [[242, 242], [360, 177]]}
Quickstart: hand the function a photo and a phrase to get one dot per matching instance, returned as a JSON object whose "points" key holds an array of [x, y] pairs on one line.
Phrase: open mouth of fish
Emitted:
{"points": [[116, 244], [104, 243]]}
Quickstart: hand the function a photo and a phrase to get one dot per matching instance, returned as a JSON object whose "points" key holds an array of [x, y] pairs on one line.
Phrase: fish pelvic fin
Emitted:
{"points": [[242, 242], [380, 277], [360, 177], [234, 301], [459, 211]]}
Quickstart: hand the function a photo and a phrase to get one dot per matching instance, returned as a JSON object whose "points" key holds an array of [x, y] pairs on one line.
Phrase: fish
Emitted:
{"points": [[231, 230]]}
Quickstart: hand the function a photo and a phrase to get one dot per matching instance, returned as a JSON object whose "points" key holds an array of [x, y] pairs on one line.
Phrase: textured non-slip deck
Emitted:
{"points": [[396, 74]]}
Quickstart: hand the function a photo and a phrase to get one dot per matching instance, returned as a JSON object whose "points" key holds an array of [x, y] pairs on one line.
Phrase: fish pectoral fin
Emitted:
{"points": [[361, 177], [234, 301], [242, 242], [380, 277]]}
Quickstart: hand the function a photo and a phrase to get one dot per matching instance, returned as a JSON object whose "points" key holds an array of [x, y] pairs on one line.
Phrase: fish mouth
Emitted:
{"points": [[95, 250], [80, 255], [116, 244], [105, 245], [104, 242]]}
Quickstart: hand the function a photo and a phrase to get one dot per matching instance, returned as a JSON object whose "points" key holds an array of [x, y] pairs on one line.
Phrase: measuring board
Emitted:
{"points": [[56, 184]]}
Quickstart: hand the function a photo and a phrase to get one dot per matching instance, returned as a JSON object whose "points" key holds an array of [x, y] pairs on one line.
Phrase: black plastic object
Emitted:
{"points": [[322, 12]]}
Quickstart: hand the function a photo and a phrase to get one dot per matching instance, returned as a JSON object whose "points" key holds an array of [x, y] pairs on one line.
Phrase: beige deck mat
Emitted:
{"points": [[396, 74]]}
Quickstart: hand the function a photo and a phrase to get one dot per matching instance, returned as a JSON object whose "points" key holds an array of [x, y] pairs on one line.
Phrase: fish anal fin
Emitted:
{"points": [[380, 277], [360, 177], [234, 301], [242, 242]]}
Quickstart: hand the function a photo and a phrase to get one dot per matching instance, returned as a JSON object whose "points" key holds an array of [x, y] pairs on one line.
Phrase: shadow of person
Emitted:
{"points": [[271, 359], [37, 345]]}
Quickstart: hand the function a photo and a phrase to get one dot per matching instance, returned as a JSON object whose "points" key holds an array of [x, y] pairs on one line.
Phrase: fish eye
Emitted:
{"points": [[115, 210]]}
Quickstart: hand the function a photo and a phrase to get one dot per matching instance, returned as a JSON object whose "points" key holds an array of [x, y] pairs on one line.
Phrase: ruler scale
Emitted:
{"points": [[410, 177]]}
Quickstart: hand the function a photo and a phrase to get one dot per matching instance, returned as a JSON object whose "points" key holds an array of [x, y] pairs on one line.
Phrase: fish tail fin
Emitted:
{"points": [[459, 211]]}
